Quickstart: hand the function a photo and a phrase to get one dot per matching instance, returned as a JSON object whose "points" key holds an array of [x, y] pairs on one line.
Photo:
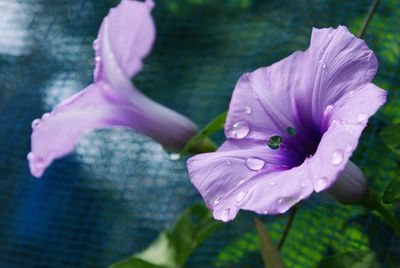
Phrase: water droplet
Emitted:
{"points": [[271, 183], [348, 147], [216, 201], [362, 118], [321, 184], [324, 66], [254, 163], [247, 110], [97, 59], [283, 204], [302, 184], [225, 215], [241, 182], [337, 157], [174, 156], [274, 142], [240, 196], [228, 162], [46, 115], [30, 156], [328, 110], [255, 95], [96, 44], [265, 211], [35, 123], [239, 130]]}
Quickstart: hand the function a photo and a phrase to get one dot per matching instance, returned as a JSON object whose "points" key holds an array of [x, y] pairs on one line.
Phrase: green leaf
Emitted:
{"points": [[214, 126], [355, 259], [391, 136], [270, 253], [391, 193], [173, 247]]}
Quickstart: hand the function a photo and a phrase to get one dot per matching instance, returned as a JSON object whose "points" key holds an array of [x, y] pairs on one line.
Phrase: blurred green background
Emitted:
{"points": [[117, 190]]}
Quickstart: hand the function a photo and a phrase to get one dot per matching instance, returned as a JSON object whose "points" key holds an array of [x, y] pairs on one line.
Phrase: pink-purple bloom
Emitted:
{"points": [[291, 127], [125, 38]]}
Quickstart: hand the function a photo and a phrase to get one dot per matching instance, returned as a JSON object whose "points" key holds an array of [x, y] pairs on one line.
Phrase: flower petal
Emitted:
{"points": [[245, 177], [227, 184], [99, 106], [125, 38], [348, 120], [295, 91]]}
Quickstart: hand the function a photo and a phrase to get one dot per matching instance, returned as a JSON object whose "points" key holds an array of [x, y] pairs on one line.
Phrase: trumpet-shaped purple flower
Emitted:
{"points": [[125, 38], [291, 128]]}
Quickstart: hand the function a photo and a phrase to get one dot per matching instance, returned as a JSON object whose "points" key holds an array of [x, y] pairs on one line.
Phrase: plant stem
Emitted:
{"points": [[368, 18], [287, 227], [372, 201]]}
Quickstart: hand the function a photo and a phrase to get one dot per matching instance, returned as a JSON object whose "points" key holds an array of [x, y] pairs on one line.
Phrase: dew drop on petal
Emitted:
{"points": [[328, 110], [46, 115], [254, 163], [324, 66], [216, 201], [362, 118], [348, 147], [255, 95], [239, 130], [321, 184], [240, 196], [95, 44], [30, 156], [228, 162], [241, 182], [337, 157], [225, 215], [271, 183], [35, 123], [247, 110], [283, 204], [265, 211], [97, 59]]}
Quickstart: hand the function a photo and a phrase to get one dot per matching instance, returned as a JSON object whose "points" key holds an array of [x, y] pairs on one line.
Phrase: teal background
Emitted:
{"points": [[118, 189]]}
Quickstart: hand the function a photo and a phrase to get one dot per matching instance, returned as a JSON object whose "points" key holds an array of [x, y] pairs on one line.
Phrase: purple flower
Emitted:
{"points": [[125, 38], [291, 127]]}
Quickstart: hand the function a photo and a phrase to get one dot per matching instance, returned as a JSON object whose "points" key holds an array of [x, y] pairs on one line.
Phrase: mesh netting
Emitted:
{"points": [[118, 189]]}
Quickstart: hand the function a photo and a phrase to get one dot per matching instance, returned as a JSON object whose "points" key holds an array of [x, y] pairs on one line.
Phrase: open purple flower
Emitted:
{"points": [[291, 127], [125, 38]]}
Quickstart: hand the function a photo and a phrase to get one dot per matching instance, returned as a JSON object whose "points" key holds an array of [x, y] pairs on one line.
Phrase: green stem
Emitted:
{"points": [[372, 201], [287, 227], [368, 18]]}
